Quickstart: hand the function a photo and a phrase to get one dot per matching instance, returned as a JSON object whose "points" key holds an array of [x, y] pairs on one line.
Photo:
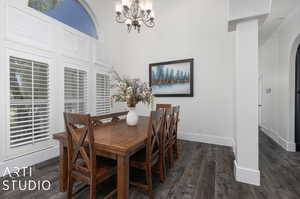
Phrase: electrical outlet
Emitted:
{"points": [[268, 90]]}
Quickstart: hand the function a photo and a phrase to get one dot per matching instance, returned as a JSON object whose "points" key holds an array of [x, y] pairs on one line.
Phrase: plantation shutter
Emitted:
{"points": [[29, 102], [102, 94], [76, 90]]}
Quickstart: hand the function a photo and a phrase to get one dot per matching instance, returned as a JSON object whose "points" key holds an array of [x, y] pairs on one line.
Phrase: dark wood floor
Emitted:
{"points": [[203, 172]]}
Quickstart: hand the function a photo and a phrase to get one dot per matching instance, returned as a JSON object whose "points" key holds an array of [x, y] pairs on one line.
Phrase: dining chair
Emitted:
{"points": [[149, 157], [174, 130], [161, 106], [169, 137], [167, 141], [83, 165]]}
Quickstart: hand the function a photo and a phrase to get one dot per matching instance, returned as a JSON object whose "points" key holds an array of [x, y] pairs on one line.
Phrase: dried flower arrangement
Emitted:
{"points": [[131, 91]]}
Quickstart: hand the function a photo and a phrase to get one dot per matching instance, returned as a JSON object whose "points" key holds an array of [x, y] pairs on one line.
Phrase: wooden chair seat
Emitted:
{"points": [[139, 156], [104, 169], [138, 160]]}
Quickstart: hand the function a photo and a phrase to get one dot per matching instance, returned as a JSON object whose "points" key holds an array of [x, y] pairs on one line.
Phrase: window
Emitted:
{"points": [[76, 90], [102, 94], [69, 12], [29, 102]]}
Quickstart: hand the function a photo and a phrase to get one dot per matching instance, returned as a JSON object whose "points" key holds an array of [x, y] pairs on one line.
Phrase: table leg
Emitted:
{"points": [[123, 176], [63, 168]]}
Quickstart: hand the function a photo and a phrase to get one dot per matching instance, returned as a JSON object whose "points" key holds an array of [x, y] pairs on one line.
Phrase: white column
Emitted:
{"points": [[246, 163]]}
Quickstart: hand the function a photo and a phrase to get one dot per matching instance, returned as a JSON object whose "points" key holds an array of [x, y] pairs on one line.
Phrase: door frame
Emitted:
{"points": [[296, 114], [291, 144], [260, 97]]}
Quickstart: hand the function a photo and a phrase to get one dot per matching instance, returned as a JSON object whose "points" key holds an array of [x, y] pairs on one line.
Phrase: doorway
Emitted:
{"points": [[297, 101]]}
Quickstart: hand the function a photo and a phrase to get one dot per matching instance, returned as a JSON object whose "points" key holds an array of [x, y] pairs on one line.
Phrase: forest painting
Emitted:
{"points": [[172, 79]]}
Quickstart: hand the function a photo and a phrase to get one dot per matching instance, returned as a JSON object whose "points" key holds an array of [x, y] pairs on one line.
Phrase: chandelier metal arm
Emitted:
{"points": [[149, 24], [120, 19]]}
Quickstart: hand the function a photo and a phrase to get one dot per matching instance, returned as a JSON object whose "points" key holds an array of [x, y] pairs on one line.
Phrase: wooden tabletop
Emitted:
{"points": [[118, 136]]}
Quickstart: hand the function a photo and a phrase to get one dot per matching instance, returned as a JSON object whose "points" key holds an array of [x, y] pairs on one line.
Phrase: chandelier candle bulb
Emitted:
{"points": [[125, 3], [118, 8], [148, 6], [152, 15], [128, 22], [142, 6]]}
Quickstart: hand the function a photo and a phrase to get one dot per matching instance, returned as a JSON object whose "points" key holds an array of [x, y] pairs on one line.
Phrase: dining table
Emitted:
{"points": [[116, 141]]}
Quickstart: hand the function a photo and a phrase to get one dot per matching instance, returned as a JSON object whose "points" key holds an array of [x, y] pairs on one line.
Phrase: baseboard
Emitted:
{"points": [[28, 160], [246, 175], [234, 149], [209, 139], [288, 146]]}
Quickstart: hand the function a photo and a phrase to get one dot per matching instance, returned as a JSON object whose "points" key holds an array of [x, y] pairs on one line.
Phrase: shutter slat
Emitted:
{"points": [[21, 143]]}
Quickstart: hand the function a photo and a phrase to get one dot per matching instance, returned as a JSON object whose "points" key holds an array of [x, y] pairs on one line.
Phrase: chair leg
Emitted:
{"points": [[149, 181], [171, 157], [161, 170], [93, 191], [175, 147], [70, 186], [164, 166]]}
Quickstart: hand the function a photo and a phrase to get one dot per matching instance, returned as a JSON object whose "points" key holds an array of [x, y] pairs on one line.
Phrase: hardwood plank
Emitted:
{"points": [[175, 174], [205, 188]]}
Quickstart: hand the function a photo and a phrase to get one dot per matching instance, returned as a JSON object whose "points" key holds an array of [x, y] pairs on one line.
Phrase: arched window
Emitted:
{"points": [[69, 12]]}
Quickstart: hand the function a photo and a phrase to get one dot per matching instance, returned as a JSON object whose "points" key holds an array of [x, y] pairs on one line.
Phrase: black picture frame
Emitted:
{"points": [[191, 77]]}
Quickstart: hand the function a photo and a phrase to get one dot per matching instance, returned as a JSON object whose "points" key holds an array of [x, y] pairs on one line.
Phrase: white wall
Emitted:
{"points": [[269, 68], [27, 33], [277, 63], [194, 29]]}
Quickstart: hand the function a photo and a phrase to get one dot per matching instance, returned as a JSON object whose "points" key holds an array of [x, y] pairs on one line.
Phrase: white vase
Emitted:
{"points": [[132, 118]]}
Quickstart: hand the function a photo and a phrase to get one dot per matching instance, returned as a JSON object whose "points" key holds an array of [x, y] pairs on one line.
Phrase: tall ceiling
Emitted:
{"points": [[279, 11]]}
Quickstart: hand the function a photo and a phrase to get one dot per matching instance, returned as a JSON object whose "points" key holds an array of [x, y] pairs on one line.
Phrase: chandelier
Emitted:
{"points": [[134, 13]]}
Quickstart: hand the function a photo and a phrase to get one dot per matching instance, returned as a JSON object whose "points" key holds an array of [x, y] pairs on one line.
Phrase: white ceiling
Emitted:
{"points": [[280, 10]]}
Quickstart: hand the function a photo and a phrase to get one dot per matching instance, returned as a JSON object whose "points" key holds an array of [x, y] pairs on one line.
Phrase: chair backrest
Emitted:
{"points": [[174, 124], [80, 142], [167, 133], [155, 129], [106, 118], [165, 106]]}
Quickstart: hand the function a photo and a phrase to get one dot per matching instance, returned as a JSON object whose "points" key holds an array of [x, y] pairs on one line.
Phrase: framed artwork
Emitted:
{"points": [[172, 79]]}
